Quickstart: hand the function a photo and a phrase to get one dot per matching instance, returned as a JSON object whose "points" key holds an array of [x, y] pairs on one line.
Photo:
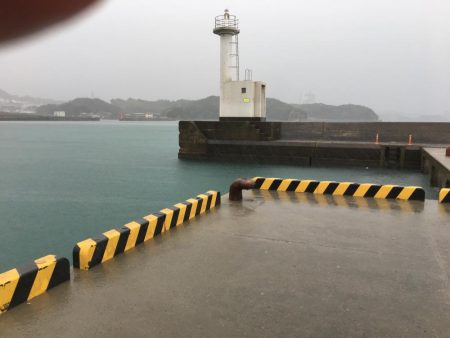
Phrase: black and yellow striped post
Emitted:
{"points": [[341, 188], [444, 195], [91, 252], [25, 283]]}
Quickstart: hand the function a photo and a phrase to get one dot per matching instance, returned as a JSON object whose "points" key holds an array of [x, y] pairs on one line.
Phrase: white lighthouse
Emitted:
{"points": [[239, 100]]}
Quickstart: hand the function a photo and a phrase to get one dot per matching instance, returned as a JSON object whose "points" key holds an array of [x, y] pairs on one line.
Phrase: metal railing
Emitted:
{"points": [[227, 21]]}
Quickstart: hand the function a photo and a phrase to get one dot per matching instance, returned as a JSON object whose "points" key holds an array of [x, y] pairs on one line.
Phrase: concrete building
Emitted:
{"points": [[239, 100], [308, 98], [59, 113]]}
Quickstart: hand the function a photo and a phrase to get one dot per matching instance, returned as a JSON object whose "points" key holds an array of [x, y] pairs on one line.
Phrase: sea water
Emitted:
{"points": [[63, 182]]}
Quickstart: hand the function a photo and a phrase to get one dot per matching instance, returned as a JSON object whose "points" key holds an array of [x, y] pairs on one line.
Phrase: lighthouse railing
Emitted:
{"points": [[224, 22]]}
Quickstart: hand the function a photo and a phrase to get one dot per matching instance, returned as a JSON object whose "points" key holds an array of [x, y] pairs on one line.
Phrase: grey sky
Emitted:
{"points": [[386, 54]]}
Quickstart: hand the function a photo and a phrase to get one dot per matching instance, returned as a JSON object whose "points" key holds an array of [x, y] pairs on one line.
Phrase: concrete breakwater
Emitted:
{"points": [[399, 145], [437, 166]]}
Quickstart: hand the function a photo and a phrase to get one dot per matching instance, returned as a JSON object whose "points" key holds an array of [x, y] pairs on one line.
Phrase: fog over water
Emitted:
{"points": [[388, 55]]}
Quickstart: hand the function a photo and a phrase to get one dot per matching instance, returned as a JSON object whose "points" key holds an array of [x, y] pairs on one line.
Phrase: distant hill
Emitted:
{"points": [[280, 111], [207, 109], [26, 99], [346, 112], [136, 106], [203, 109], [21, 104], [82, 106]]}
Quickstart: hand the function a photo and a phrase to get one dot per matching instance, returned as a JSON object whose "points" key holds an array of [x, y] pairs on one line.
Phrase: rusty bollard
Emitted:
{"points": [[447, 151], [236, 187]]}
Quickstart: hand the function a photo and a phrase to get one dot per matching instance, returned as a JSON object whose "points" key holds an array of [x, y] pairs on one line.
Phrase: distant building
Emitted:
{"points": [[308, 98], [139, 116], [59, 113]]}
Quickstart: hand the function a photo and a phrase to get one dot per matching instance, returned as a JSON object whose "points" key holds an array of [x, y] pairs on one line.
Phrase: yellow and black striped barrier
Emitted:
{"points": [[341, 189], [91, 252], [444, 195], [23, 284], [343, 201]]}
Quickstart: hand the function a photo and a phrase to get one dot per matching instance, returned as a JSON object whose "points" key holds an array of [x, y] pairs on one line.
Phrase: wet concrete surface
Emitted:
{"points": [[439, 155], [277, 264], [437, 166]]}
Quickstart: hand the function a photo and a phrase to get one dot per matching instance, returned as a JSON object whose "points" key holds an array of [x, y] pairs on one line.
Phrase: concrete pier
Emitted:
{"points": [[312, 143], [318, 153], [437, 166], [277, 264]]}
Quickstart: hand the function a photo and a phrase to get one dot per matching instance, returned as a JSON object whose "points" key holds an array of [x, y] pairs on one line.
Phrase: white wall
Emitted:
{"points": [[225, 58], [234, 103]]}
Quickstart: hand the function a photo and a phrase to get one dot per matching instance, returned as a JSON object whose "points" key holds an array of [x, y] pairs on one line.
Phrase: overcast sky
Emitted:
{"points": [[385, 54]]}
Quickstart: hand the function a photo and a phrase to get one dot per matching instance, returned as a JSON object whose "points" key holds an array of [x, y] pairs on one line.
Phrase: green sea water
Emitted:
{"points": [[62, 182]]}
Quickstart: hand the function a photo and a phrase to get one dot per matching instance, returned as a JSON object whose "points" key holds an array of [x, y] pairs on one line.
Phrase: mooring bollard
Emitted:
{"points": [[447, 152], [236, 187]]}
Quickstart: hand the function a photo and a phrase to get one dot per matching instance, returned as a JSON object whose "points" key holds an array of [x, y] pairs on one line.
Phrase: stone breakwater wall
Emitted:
{"points": [[400, 144], [421, 133]]}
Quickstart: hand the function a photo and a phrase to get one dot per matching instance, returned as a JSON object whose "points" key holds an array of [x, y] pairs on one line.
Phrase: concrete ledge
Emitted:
{"points": [[437, 166], [25, 283], [341, 188], [91, 252]]}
